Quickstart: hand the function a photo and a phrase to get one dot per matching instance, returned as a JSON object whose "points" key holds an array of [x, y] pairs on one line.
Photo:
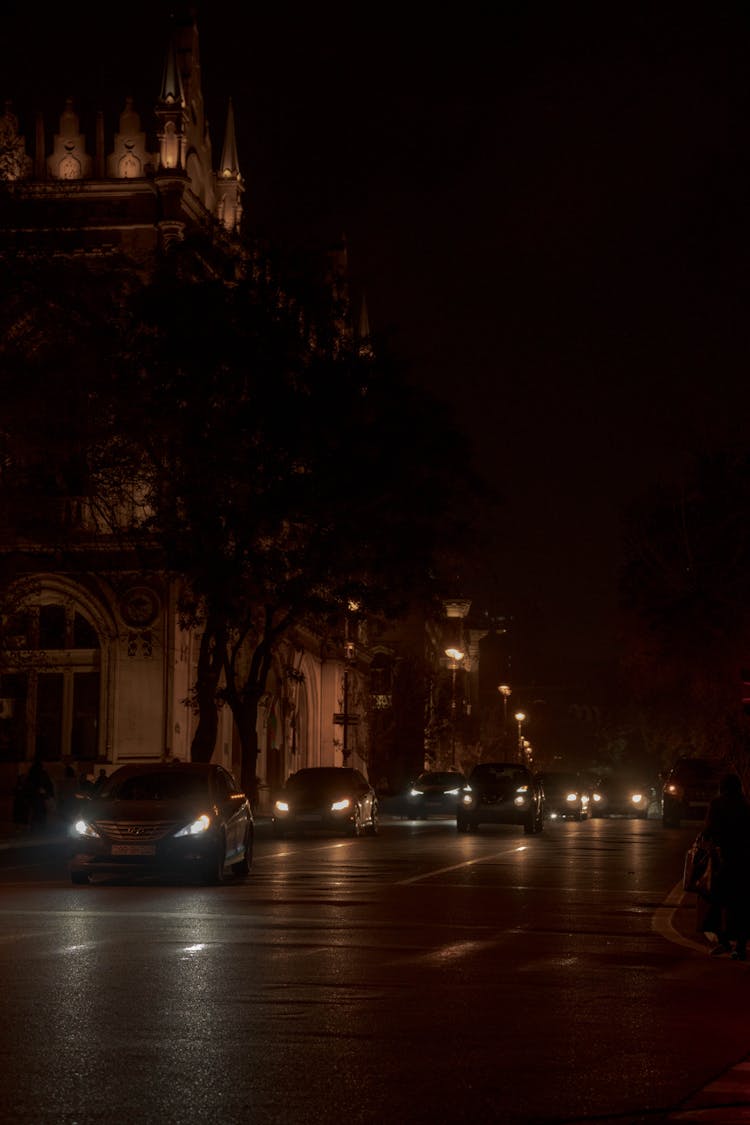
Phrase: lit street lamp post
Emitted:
{"points": [[505, 691], [455, 655], [520, 719]]}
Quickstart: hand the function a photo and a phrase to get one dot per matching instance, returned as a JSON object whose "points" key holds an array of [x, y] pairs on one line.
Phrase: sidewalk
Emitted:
{"points": [[13, 836]]}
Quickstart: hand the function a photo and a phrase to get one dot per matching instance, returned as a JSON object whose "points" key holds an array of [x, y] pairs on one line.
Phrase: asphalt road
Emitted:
{"points": [[418, 976]]}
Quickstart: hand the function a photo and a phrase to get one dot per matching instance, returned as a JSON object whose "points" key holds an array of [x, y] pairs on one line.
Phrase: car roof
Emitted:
{"points": [[320, 770], [487, 766], [161, 767], [704, 767]]}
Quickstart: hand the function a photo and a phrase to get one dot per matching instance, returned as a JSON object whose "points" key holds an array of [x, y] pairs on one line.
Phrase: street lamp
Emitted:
{"points": [[505, 691], [455, 655], [520, 719]]}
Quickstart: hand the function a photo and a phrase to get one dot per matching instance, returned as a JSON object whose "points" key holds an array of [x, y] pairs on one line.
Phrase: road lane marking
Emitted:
{"points": [[322, 848], [447, 954], [663, 924], [458, 866]]}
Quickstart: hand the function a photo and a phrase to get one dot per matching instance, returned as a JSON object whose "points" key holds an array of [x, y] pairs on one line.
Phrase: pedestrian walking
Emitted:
{"points": [[39, 792], [20, 804], [727, 828], [86, 783]]}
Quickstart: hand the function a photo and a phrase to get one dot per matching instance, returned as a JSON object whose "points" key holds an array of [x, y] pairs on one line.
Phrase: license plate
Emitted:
{"points": [[133, 849]]}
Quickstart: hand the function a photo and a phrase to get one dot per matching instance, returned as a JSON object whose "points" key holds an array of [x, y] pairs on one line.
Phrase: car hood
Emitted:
{"points": [[500, 786], [624, 788], [144, 810], [318, 795]]}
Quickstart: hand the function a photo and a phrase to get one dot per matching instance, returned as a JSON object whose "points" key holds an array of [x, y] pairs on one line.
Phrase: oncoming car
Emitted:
{"points": [[688, 789], [617, 796], [565, 795], [435, 791], [331, 798], [167, 818], [501, 793]]}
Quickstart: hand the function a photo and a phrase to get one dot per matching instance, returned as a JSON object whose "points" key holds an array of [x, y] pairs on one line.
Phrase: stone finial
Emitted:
{"points": [[69, 159]]}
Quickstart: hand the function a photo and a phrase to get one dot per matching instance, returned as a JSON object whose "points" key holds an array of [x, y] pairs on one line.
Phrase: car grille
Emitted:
{"points": [[135, 831]]}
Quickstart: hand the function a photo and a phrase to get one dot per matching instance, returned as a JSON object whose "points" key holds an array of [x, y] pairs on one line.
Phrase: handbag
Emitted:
{"points": [[696, 869]]}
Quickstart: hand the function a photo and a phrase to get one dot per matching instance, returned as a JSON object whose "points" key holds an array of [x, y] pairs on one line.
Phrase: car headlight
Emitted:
{"points": [[339, 806], [522, 789], [674, 790], [597, 797], [202, 824], [636, 798], [83, 828], [520, 799], [452, 792], [572, 797], [467, 798], [416, 792]]}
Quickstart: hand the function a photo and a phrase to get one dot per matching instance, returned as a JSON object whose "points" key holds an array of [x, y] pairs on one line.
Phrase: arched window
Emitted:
{"points": [[50, 686]]}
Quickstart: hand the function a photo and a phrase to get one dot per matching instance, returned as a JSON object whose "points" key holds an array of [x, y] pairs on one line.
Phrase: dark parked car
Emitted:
{"points": [[501, 793], [621, 796], [566, 795], [166, 819], [435, 792], [688, 788], [333, 798]]}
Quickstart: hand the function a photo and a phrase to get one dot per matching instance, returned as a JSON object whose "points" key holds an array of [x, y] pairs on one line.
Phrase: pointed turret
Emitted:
{"points": [[229, 186], [171, 113], [230, 165], [184, 141], [171, 82]]}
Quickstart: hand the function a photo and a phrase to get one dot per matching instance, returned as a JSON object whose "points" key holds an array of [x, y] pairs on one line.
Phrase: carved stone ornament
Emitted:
{"points": [[139, 607]]}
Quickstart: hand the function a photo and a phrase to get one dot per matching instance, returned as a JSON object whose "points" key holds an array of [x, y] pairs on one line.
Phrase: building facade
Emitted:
{"points": [[98, 671]]}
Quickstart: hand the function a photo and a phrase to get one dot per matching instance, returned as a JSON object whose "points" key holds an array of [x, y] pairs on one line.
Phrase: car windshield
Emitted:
{"points": [[561, 781], [323, 778], [697, 769], [163, 786], [440, 779], [499, 772]]}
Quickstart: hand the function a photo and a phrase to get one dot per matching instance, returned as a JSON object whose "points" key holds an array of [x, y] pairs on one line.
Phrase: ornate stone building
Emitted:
{"points": [[100, 670]]}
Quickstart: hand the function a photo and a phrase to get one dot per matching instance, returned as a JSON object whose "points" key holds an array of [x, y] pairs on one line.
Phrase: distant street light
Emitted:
{"points": [[455, 655], [506, 692], [520, 719]]}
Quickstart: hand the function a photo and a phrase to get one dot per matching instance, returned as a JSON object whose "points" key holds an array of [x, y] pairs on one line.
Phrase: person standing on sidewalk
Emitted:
{"points": [[727, 827], [20, 804], [39, 791]]}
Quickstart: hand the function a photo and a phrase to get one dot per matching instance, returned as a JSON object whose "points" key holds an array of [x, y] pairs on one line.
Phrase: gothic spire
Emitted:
{"points": [[229, 165], [229, 186]]}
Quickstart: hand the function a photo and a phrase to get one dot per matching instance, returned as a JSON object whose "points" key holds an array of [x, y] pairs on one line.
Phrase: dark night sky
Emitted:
{"points": [[546, 206]]}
